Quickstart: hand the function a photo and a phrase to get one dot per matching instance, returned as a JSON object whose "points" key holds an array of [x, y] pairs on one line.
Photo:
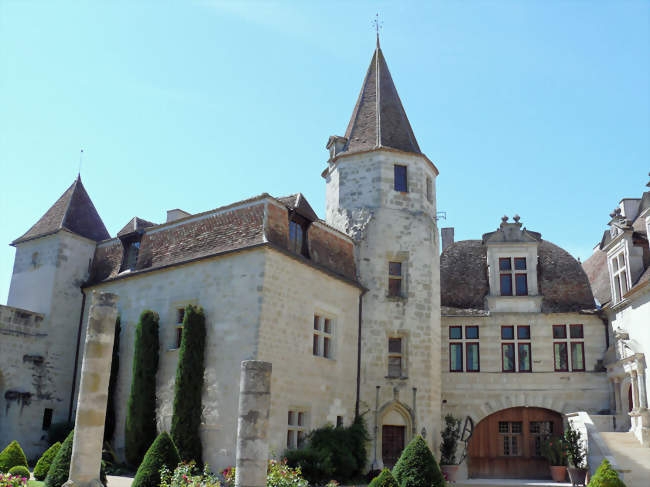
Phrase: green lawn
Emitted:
{"points": [[35, 483]]}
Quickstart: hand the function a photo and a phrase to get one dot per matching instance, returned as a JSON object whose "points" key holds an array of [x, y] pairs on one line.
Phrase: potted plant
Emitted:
{"points": [[576, 456], [554, 450], [450, 436]]}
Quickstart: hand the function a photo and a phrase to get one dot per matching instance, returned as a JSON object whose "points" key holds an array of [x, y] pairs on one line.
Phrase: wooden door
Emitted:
{"points": [[507, 444], [392, 444]]}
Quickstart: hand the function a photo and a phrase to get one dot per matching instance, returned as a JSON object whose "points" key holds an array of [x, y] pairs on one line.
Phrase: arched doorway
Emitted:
{"points": [[395, 433], [507, 444]]}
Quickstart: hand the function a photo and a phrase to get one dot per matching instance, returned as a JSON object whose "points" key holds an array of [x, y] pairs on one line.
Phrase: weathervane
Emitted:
{"points": [[81, 154], [377, 24]]}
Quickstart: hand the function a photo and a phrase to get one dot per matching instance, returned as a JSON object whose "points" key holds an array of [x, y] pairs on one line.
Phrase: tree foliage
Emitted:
{"points": [[188, 389], [384, 479], [141, 418], [162, 452], [450, 436], [44, 463], [109, 424], [12, 456], [416, 466], [606, 476], [59, 471]]}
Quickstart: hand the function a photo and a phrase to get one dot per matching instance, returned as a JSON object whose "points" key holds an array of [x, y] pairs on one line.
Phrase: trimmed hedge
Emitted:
{"points": [[188, 388], [12, 456], [60, 469], [19, 471], [606, 476], [58, 432], [44, 463], [162, 452], [109, 423], [384, 479], [416, 466], [141, 407]]}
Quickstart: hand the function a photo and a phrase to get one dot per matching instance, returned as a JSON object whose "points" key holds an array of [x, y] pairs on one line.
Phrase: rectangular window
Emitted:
{"points": [[471, 332], [322, 337], [507, 332], [455, 357], [180, 317], [523, 332], [510, 438], [47, 418], [456, 332], [506, 284], [575, 331], [539, 431], [559, 331], [429, 190], [394, 357], [339, 421], [505, 264], [577, 356], [295, 237], [394, 279], [400, 178], [561, 358], [521, 282], [295, 428], [524, 357], [520, 263], [619, 271], [508, 357], [472, 354]]}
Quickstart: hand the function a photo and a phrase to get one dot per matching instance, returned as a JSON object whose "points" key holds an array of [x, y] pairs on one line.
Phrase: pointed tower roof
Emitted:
{"points": [[379, 119], [73, 211]]}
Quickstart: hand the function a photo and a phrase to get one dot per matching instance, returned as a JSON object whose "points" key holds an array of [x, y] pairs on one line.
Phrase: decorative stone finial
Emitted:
{"points": [[516, 218], [504, 218]]}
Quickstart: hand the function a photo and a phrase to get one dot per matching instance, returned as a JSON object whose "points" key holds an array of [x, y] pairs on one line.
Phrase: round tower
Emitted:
{"points": [[381, 192]]}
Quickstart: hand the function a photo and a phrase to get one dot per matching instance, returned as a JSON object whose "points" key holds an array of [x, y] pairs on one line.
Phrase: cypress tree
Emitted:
{"points": [[44, 463], [162, 452], [188, 389], [141, 407], [416, 466], [59, 471], [109, 425]]}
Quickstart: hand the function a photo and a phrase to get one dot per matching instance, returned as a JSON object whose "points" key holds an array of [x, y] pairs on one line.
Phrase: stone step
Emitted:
{"points": [[632, 458]]}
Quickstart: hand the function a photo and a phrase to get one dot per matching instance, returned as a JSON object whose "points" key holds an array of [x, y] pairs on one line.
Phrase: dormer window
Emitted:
{"points": [[131, 249], [298, 235], [510, 274], [619, 275]]}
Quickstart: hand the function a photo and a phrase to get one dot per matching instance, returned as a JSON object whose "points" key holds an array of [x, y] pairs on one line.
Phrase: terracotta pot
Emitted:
{"points": [[578, 476], [450, 471], [558, 473]]}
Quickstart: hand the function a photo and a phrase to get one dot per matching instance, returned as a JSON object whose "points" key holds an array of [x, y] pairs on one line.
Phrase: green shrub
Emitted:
{"points": [[606, 476], [450, 436], [162, 452], [59, 471], [19, 471], [141, 418], [58, 432], [188, 389], [44, 463], [574, 447], [332, 453], [416, 466], [384, 479], [109, 423], [12, 456]]}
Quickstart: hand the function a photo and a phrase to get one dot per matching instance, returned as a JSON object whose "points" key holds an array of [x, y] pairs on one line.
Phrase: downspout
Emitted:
{"points": [[76, 354], [356, 405]]}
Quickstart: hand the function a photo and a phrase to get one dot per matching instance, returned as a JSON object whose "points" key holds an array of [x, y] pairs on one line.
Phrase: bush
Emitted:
{"points": [[186, 475], [574, 447], [554, 450], [162, 453], [416, 466], [141, 418], [332, 453], [449, 443], [58, 432], [12, 456], [20, 471], [188, 389], [44, 463], [279, 474], [59, 471], [384, 479], [109, 423], [606, 476], [8, 480]]}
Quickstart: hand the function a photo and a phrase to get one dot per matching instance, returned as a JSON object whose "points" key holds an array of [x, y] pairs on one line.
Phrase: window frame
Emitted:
{"points": [[619, 275], [569, 342], [467, 337], [530, 357], [399, 278], [512, 273], [514, 357], [298, 428], [454, 327], [396, 177], [399, 355], [320, 337], [570, 351], [566, 351], [478, 357], [460, 346], [516, 341]]}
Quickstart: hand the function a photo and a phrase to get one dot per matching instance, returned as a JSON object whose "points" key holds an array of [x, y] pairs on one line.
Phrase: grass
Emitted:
{"points": [[35, 483]]}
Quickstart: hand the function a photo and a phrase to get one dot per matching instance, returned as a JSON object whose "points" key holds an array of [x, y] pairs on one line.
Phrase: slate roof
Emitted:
{"points": [[464, 278], [596, 268], [379, 119], [300, 205], [73, 211], [134, 225]]}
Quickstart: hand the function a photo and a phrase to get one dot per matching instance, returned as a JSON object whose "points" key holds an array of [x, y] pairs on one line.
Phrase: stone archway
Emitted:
{"points": [[395, 430]]}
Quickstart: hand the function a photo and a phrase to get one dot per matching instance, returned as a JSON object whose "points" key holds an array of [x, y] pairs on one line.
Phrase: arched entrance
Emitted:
{"points": [[507, 444], [395, 432]]}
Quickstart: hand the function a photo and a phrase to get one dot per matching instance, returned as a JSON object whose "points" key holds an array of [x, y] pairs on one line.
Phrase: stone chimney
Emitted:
{"points": [[447, 235], [173, 215]]}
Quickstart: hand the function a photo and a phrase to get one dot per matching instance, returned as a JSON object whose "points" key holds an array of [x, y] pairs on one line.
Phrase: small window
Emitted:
{"points": [[559, 331], [472, 354], [521, 282], [505, 264], [322, 337], [524, 357], [523, 332], [295, 429], [429, 190], [131, 250], [561, 357], [577, 357], [339, 421], [507, 332], [471, 332], [47, 418], [455, 357], [520, 263], [400, 178], [295, 237], [394, 357], [508, 357], [506, 284], [575, 331], [395, 279], [456, 332], [180, 316]]}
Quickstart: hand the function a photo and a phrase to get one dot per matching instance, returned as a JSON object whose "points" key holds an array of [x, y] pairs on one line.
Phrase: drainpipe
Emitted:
{"points": [[415, 429], [356, 404], [76, 354], [374, 461]]}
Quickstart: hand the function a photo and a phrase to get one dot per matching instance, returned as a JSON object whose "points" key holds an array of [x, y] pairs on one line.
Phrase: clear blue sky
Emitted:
{"points": [[533, 107]]}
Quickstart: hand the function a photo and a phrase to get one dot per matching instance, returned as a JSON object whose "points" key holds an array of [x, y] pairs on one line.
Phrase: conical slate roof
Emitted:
{"points": [[134, 225], [73, 211], [379, 119]]}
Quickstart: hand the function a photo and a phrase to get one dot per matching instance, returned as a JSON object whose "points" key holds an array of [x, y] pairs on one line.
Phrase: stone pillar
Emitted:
{"points": [[253, 424], [93, 392], [612, 396], [643, 397], [617, 395], [635, 391]]}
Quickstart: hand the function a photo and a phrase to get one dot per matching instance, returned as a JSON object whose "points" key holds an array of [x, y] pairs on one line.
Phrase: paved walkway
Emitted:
{"points": [[631, 457], [115, 481], [509, 483]]}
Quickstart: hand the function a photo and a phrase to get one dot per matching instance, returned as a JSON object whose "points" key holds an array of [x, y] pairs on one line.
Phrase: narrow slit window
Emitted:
{"points": [[395, 357], [400, 178], [395, 279]]}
